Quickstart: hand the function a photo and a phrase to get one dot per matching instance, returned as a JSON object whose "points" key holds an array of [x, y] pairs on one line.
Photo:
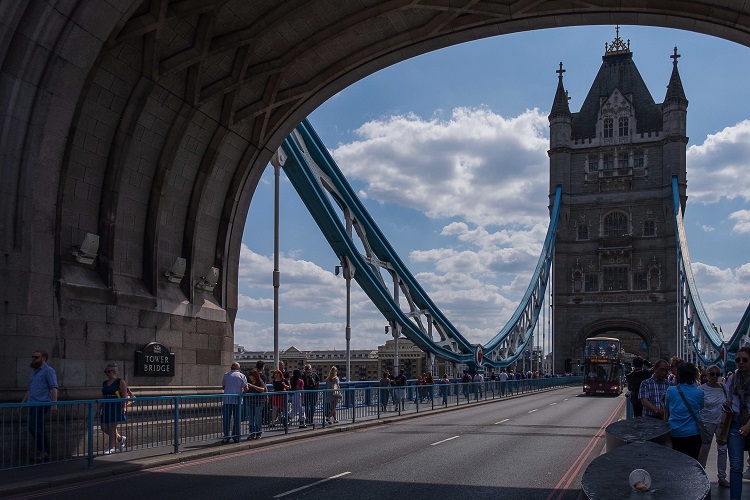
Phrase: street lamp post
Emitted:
{"points": [[278, 160], [348, 272]]}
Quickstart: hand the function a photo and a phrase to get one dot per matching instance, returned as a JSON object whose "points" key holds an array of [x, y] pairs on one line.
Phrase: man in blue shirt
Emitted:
{"points": [[42, 389]]}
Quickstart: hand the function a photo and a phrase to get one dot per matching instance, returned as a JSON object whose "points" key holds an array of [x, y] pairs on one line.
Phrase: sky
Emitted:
{"points": [[448, 151]]}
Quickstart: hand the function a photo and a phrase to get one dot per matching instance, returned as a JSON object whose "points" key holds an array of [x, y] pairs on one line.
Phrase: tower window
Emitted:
{"points": [[608, 128], [609, 162], [592, 283], [638, 161], [649, 228], [615, 278], [615, 225], [639, 281], [622, 160], [583, 231], [623, 126], [593, 163]]}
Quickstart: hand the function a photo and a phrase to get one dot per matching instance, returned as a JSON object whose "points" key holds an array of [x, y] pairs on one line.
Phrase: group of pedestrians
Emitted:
{"points": [[676, 391], [43, 388], [275, 407]]}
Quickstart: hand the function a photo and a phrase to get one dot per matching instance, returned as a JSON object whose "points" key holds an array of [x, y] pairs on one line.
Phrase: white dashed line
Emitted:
{"points": [[444, 440], [500, 422], [532, 411], [311, 485]]}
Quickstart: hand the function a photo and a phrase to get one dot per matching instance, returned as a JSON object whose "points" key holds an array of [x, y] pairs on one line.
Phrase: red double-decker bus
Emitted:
{"points": [[602, 366]]}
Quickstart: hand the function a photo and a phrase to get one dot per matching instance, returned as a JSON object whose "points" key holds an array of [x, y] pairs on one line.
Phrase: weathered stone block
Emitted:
{"points": [[29, 325], [185, 356], [105, 332], [123, 315], [83, 349], [183, 324], [72, 328], [211, 327], [153, 319], [195, 341], [84, 310], [207, 357], [139, 336], [170, 338]]}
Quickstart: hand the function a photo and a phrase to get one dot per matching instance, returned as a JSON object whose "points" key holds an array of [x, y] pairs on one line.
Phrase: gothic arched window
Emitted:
{"points": [[622, 160], [615, 225], [622, 126], [608, 128], [608, 162]]}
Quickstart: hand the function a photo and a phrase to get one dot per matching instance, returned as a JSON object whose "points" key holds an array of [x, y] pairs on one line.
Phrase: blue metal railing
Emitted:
{"points": [[33, 434]]}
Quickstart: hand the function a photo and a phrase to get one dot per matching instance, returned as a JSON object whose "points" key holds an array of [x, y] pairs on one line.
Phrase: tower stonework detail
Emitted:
{"points": [[615, 260]]}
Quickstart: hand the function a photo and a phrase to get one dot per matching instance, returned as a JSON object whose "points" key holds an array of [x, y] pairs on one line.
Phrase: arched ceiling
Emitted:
{"points": [[149, 122]]}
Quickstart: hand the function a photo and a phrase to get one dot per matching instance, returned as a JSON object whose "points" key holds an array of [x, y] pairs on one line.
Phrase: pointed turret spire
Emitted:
{"points": [[675, 92], [560, 104]]}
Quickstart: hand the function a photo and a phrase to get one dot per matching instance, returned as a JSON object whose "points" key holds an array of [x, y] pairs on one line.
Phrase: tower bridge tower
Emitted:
{"points": [[615, 258]]}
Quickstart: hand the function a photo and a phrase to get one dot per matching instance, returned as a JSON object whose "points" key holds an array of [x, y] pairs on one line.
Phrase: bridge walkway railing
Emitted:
{"points": [[72, 430]]}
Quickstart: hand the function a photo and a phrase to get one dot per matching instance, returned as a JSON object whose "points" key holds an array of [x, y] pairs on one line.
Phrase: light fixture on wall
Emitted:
{"points": [[209, 281], [86, 253], [177, 272]]}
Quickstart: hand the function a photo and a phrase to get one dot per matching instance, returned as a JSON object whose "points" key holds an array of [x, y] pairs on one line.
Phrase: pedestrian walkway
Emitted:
{"points": [[38, 477]]}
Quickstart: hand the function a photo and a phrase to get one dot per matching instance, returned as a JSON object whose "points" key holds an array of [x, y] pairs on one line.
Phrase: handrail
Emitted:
{"points": [[74, 431]]}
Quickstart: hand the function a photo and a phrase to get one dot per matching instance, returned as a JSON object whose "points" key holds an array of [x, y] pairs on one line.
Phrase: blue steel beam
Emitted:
{"points": [[697, 330], [318, 181]]}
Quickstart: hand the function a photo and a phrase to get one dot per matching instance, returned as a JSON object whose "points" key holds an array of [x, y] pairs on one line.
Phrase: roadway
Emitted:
{"points": [[532, 447]]}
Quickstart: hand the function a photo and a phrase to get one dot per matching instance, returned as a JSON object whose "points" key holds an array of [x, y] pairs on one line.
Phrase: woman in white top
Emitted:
{"points": [[715, 395]]}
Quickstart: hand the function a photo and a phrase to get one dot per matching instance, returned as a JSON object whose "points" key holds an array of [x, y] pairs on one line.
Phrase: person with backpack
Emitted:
{"points": [[312, 385]]}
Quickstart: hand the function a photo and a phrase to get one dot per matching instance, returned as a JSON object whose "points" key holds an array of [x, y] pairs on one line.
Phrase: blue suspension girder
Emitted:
{"points": [[697, 331], [320, 184]]}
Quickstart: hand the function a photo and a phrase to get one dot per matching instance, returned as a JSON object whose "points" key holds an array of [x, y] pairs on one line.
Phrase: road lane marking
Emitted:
{"points": [[311, 485], [553, 404], [444, 440], [532, 411], [500, 422], [560, 488]]}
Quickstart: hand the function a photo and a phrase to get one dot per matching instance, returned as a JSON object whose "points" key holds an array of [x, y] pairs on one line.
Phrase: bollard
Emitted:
{"points": [[637, 429], [673, 474]]}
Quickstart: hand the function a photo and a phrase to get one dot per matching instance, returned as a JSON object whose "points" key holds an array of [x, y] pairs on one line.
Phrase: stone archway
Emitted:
{"points": [[147, 123], [632, 334]]}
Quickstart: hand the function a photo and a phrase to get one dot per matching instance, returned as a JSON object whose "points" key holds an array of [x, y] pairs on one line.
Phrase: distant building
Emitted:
{"points": [[364, 362], [367, 364]]}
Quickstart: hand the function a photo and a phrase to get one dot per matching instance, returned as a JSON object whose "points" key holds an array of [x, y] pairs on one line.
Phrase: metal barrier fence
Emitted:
{"points": [[35, 433]]}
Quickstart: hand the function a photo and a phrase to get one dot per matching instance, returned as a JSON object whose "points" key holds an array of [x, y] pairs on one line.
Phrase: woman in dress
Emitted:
{"points": [[685, 435], [334, 396], [298, 410], [113, 413], [257, 400], [279, 401], [739, 390]]}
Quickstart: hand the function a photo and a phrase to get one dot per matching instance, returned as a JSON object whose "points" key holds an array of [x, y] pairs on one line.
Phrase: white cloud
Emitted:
{"points": [[743, 221], [706, 228], [718, 168], [719, 290], [476, 165]]}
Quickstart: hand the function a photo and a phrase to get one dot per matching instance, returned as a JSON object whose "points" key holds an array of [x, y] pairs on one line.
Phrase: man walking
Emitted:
{"points": [[235, 383], [654, 389], [312, 384], [42, 389]]}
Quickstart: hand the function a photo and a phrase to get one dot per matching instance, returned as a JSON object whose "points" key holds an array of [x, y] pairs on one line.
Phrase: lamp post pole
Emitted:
{"points": [[277, 161]]}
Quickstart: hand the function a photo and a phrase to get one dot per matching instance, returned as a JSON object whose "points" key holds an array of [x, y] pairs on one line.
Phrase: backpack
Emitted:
{"points": [[312, 381]]}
